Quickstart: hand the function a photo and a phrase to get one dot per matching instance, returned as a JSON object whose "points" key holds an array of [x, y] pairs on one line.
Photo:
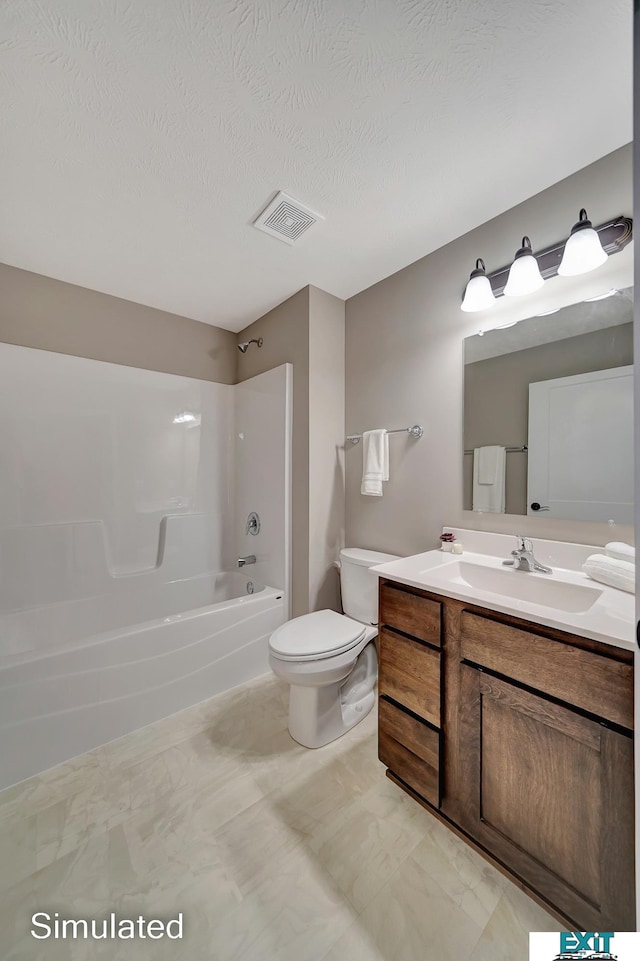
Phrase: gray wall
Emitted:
{"points": [[496, 396], [326, 447], [36, 311], [404, 339]]}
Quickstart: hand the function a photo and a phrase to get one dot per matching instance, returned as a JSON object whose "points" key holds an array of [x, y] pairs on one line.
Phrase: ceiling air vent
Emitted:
{"points": [[286, 218]]}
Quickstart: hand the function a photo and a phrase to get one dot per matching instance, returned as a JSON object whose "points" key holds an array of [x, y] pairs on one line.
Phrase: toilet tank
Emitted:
{"points": [[359, 586]]}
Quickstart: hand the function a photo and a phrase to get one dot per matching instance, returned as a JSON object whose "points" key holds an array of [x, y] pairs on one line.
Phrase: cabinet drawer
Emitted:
{"points": [[411, 750], [415, 615], [409, 673], [597, 684]]}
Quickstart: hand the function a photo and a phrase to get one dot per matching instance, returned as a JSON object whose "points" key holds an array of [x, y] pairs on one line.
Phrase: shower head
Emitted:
{"points": [[245, 346]]}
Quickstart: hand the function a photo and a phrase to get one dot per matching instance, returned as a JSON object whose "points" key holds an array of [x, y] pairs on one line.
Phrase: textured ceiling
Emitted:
{"points": [[141, 137]]}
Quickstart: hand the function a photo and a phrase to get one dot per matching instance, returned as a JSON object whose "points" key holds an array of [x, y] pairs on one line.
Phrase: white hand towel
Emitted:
{"points": [[609, 570], [623, 552], [489, 464], [375, 461]]}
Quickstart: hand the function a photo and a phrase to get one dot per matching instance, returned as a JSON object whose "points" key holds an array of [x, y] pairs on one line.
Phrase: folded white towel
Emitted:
{"points": [[623, 552], [489, 465], [609, 570], [375, 461], [488, 458]]}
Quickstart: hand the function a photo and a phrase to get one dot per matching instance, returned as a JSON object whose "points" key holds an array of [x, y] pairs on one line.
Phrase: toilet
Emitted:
{"points": [[329, 659]]}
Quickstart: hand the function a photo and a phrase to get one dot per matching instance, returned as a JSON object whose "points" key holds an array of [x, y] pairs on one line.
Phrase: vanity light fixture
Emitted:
{"points": [[613, 236], [478, 294], [524, 276], [583, 251]]}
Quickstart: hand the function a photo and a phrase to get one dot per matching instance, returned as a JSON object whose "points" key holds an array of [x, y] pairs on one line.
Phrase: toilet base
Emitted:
{"points": [[319, 715]]}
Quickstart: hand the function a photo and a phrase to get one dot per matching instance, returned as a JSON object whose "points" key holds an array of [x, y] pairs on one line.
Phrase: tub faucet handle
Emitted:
{"points": [[253, 524]]}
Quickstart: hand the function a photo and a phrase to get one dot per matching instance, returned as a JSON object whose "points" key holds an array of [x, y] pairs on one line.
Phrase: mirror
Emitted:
{"points": [[548, 414]]}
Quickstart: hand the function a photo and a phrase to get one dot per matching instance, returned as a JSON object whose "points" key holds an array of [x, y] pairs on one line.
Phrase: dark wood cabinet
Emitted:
{"points": [[412, 613], [411, 749], [410, 689], [409, 673], [520, 737], [550, 793], [592, 680]]}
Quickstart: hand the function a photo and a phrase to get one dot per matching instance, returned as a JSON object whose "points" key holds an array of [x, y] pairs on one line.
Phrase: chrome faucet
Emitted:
{"points": [[253, 524], [249, 559], [523, 559]]}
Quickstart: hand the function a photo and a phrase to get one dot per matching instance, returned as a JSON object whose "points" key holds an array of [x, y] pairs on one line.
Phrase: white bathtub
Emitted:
{"points": [[64, 691]]}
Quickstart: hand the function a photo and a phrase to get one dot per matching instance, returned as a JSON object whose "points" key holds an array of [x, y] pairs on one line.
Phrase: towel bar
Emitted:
{"points": [[415, 431], [510, 450]]}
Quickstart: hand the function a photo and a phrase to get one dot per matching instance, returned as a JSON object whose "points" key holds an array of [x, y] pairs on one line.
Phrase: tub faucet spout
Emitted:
{"points": [[249, 559]]}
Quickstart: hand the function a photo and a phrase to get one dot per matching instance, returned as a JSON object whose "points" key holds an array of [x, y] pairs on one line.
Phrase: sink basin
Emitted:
{"points": [[533, 588], [566, 599]]}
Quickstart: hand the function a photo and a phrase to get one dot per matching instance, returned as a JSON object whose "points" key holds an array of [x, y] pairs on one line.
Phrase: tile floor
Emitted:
{"points": [[272, 852]]}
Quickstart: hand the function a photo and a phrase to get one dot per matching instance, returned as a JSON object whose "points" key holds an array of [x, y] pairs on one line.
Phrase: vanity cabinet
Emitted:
{"points": [[520, 737], [409, 687], [411, 749]]}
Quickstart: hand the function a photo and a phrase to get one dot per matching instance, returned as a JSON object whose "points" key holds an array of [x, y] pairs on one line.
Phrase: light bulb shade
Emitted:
{"points": [[583, 251], [524, 275], [478, 293]]}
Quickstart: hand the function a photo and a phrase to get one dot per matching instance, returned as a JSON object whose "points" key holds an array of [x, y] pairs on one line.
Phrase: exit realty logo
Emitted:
{"points": [[584, 946]]}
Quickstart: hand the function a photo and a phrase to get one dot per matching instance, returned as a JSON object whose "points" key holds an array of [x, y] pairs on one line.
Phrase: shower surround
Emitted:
{"points": [[124, 507]]}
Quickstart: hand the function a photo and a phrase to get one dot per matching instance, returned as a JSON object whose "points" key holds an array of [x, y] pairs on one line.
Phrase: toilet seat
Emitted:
{"points": [[315, 636]]}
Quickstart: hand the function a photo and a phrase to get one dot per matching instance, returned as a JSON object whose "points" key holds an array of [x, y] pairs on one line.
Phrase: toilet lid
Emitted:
{"points": [[316, 635]]}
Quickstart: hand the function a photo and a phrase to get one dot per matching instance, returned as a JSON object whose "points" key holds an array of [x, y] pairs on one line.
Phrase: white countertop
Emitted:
{"points": [[565, 599]]}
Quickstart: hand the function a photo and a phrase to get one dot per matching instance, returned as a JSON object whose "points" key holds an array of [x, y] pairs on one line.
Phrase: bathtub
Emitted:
{"points": [[64, 691]]}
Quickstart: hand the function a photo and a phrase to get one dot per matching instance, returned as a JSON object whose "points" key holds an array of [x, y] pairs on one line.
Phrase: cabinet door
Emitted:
{"points": [[550, 793]]}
